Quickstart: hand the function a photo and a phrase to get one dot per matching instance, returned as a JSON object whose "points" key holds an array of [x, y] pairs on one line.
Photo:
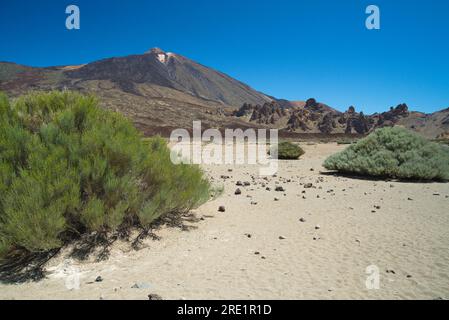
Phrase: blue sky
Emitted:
{"points": [[289, 49]]}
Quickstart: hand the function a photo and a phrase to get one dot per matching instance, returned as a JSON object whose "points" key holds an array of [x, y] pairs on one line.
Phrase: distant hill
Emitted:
{"points": [[161, 91]]}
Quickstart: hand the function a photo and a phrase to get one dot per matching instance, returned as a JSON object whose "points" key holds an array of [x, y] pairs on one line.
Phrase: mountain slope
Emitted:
{"points": [[173, 71]]}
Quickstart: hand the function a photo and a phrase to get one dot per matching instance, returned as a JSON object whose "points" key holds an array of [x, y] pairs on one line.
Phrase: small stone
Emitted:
{"points": [[141, 285], [257, 253], [239, 183], [99, 279], [409, 276], [221, 209], [317, 227], [308, 185], [409, 199], [153, 296], [279, 189], [248, 235], [238, 191], [276, 199], [246, 183], [281, 238], [302, 219]]}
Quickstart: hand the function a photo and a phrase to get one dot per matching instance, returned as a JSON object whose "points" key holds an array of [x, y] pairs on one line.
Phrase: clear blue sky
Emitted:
{"points": [[289, 49]]}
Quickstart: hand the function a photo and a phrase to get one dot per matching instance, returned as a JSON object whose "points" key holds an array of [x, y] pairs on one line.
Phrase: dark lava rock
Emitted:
{"points": [[153, 296]]}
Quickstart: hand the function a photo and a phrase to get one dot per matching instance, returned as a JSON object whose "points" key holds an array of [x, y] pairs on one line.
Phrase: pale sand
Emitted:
{"points": [[217, 260]]}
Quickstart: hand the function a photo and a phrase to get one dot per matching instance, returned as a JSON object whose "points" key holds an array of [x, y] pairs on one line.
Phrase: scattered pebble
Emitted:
{"points": [[141, 285], [221, 209], [153, 296]]}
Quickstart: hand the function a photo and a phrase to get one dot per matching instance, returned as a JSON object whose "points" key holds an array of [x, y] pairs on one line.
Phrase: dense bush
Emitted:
{"points": [[393, 152], [289, 151], [68, 167]]}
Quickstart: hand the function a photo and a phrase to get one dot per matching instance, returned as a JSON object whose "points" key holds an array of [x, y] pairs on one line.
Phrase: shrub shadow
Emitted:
{"points": [[21, 267], [356, 176]]}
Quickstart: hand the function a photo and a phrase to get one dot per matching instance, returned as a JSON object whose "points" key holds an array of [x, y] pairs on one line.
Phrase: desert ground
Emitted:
{"points": [[301, 243]]}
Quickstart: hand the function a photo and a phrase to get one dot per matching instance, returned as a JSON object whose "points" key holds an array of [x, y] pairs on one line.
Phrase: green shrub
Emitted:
{"points": [[289, 151], [68, 167], [393, 152]]}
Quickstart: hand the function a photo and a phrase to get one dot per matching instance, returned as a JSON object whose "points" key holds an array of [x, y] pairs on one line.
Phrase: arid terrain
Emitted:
{"points": [[313, 240], [161, 91]]}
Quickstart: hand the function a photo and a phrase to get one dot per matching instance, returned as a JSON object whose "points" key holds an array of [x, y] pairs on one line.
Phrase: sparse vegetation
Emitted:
{"points": [[69, 168], [441, 141], [289, 151], [393, 152], [346, 141]]}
